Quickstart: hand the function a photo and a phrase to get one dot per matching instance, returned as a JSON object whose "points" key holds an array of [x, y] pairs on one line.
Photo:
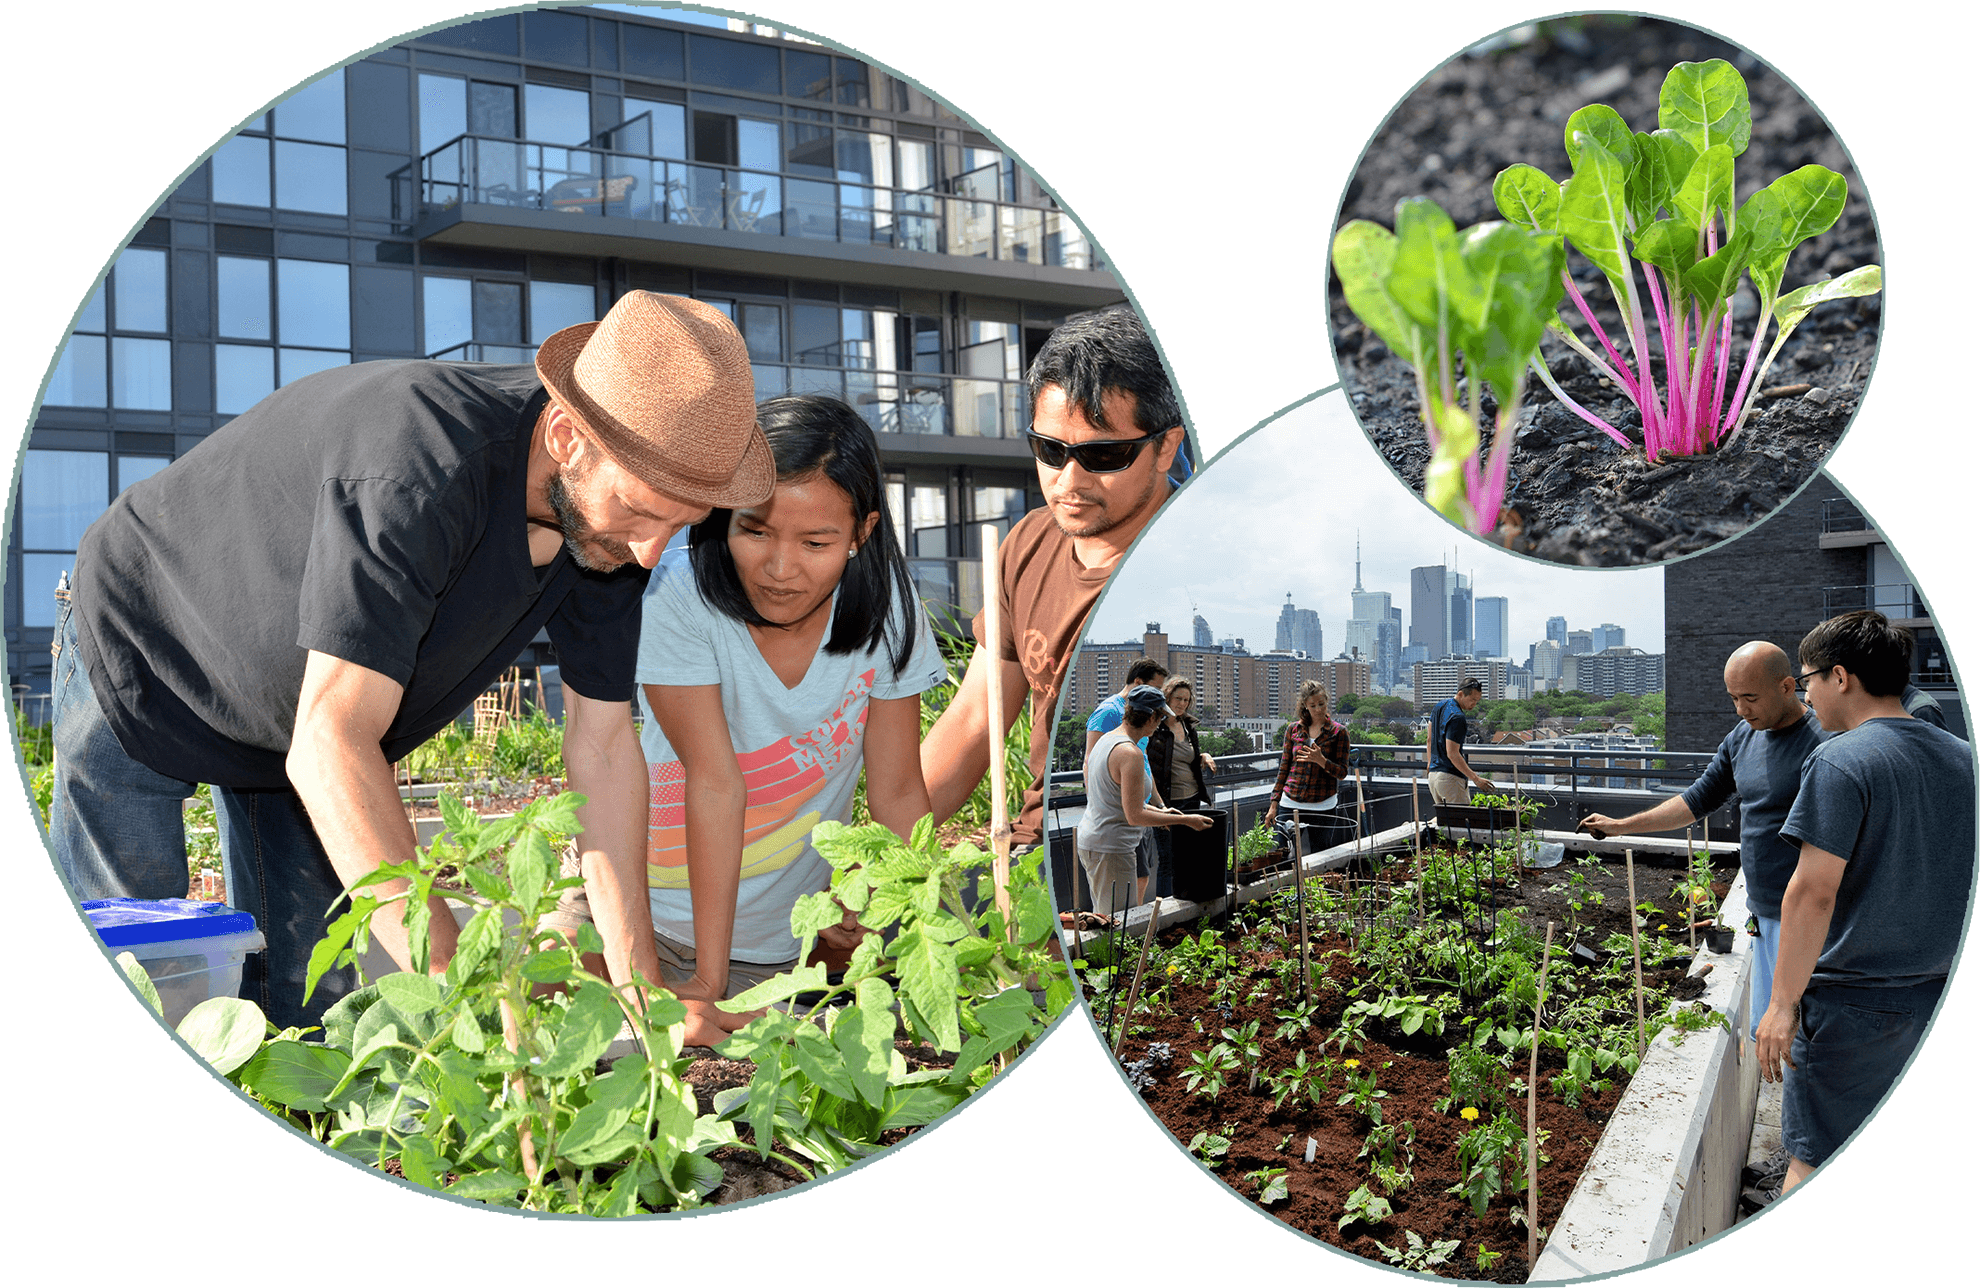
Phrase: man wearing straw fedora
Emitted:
{"points": [[1105, 428], [333, 577]]}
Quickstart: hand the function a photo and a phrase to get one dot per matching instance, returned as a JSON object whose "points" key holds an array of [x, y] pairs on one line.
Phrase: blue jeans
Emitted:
{"points": [[1848, 1051], [118, 831], [1763, 968]]}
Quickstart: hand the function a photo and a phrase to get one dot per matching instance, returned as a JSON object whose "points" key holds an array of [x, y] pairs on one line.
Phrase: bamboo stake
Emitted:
{"points": [[1533, 1108], [1635, 947], [1690, 925], [1000, 813], [1134, 987], [1416, 835], [1299, 898]]}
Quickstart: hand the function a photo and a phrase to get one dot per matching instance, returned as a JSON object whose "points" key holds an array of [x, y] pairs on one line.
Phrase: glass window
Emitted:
{"points": [[449, 312], [242, 376], [498, 312], [442, 110], [917, 164], [733, 64], [866, 158], [313, 303], [134, 469], [139, 285], [492, 110], [815, 334], [808, 75], [297, 363], [61, 494], [240, 172], [141, 374], [310, 176], [93, 315], [763, 332], [488, 35], [243, 292], [666, 135], [552, 114], [79, 374], [756, 144], [652, 52], [810, 150], [314, 112], [556, 38], [556, 305], [39, 575]]}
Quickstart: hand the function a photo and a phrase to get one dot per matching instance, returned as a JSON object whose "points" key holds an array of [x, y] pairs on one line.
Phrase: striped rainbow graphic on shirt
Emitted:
{"points": [[779, 779]]}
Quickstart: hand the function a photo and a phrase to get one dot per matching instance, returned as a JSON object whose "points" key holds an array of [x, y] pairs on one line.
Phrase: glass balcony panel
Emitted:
{"points": [[934, 579], [978, 408], [811, 209], [923, 407], [972, 228], [500, 174], [753, 202], [1065, 244], [857, 216], [695, 195], [629, 189], [817, 380], [870, 393], [1020, 235]]}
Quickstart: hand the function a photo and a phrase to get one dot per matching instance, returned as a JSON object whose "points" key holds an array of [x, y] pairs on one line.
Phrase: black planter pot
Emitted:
{"points": [[1200, 858], [1719, 939]]}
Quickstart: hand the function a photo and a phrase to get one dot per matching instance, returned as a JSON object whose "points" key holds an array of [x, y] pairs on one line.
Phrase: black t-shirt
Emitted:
{"points": [[374, 512]]}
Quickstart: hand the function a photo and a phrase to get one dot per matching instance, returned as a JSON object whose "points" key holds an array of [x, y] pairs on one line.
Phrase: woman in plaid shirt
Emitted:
{"points": [[1315, 758]]}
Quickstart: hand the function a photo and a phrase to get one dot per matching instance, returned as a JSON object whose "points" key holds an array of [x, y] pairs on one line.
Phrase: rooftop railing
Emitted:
{"points": [[1841, 515], [596, 182], [1897, 599]]}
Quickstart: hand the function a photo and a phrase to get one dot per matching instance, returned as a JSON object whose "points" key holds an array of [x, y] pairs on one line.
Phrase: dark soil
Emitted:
{"points": [[1413, 1070], [1579, 498]]}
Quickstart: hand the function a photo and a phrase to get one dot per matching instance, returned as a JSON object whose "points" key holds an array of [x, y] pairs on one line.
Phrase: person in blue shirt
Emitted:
{"points": [[1448, 726], [1105, 719]]}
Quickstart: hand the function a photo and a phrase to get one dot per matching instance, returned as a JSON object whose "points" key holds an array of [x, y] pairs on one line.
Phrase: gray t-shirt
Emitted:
{"points": [[800, 751], [1894, 799], [1764, 768]]}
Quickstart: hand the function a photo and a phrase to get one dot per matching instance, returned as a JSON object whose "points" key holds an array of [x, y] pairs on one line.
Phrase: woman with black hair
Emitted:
{"points": [[783, 651]]}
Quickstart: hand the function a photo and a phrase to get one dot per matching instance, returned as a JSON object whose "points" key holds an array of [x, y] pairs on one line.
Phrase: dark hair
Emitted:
{"points": [[1472, 682], [1144, 669], [1865, 644], [816, 434], [1100, 351]]}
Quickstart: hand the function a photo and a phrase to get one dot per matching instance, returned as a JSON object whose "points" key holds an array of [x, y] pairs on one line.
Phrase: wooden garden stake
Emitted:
{"points": [[1299, 898], [1690, 929], [1000, 813], [1134, 985], [1635, 947], [1416, 834], [1533, 1108]]}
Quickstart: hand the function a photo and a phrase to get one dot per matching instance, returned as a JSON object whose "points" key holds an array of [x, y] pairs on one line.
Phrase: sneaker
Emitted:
{"points": [[1755, 1197], [1768, 1171]]}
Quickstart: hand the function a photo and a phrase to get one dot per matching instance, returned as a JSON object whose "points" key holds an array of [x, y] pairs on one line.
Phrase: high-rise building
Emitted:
{"points": [[1606, 636], [1461, 616], [1489, 636], [1557, 630], [469, 191], [1546, 660], [1371, 609], [1613, 671], [1201, 632], [1437, 680], [1298, 629], [1430, 610], [1579, 642]]}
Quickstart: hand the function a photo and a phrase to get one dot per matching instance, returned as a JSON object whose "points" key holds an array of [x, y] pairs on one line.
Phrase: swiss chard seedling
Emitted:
{"points": [[1665, 200], [1435, 296]]}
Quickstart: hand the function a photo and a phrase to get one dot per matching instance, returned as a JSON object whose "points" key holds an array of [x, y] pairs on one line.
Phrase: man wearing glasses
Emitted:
{"points": [[1105, 428], [1760, 761], [1871, 921]]}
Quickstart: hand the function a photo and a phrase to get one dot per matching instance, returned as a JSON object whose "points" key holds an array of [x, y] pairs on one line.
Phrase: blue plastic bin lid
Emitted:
{"points": [[122, 922]]}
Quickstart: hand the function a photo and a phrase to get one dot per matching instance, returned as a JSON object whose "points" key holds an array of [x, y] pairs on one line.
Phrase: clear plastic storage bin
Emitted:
{"points": [[191, 950]]}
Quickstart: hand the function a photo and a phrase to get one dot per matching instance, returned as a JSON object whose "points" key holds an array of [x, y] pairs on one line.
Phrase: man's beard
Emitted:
{"points": [[1109, 518], [578, 535]]}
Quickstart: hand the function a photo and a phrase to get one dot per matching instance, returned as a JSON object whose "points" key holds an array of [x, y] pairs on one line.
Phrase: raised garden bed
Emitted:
{"points": [[1420, 1012]]}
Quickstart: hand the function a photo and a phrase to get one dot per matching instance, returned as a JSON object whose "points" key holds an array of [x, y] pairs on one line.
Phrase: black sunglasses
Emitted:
{"points": [[1098, 456]]}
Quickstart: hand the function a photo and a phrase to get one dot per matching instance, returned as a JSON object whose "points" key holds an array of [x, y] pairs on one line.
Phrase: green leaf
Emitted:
{"points": [[1275, 1189], [1669, 244], [459, 820], [923, 835], [590, 1023], [1364, 256], [340, 1021], [134, 972], [1007, 1019], [478, 939], [1605, 126], [296, 1075], [1595, 216], [918, 1105], [488, 885], [530, 865], [1528, 197], [549, 966], [1707, 189], [421, 1162], [823, 1063], [1035, 914], [1713, 279], [864, 1036], [929, 975], [410, 994], [1798, 205], [224, 1031], [323, 957], [765, 1087], [600, 1133], [467, 1033], [1706, 105], [805, 979], [1430, 280], [1791, 308], [1518, 274], [810, 914], [623, 1198], [492, 1186]]}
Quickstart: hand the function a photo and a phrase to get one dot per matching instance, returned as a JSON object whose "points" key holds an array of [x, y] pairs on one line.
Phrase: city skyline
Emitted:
{"points": [[1234, 543]]}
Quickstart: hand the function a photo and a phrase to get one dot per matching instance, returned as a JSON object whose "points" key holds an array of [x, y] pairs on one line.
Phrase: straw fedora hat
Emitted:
{"points": [[663, 384]]}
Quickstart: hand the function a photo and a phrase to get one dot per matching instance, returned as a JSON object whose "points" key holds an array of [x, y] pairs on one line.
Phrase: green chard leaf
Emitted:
{"points": [[1800, 204], [1663, 160], [1595, 215], [1430, 279], [1605, 126], [1706, 104], [1364, 255], [1791, 308], [1528, 197], [1707, 189], [1669, 244]]}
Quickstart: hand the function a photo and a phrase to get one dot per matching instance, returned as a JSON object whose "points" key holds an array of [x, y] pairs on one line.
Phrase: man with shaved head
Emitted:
{"points": [[1761, 761]]}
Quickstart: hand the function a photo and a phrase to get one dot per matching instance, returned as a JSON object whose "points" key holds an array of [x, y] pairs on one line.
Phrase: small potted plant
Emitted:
{"points": [[1702, 904]]}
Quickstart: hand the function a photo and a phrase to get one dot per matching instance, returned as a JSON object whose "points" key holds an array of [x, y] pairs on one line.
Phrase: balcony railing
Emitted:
{"points": [[477, 170], [892, 402], [1896, 599], [1840, 515]]}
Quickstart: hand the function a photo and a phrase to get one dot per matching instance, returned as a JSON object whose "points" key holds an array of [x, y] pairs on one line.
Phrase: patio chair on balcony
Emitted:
{"points": [[573, 195], [744, 210]]}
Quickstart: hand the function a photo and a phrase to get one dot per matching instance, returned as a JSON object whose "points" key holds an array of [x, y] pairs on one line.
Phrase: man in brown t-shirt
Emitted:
{"points": [[1097, 387]]}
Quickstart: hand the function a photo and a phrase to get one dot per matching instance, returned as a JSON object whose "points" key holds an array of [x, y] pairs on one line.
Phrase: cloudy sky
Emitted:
{"points": [[1278, 512]]}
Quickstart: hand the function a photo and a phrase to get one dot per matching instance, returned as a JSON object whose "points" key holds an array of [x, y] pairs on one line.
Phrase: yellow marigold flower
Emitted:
{"points": [[1665, 926], [1173, 968], [1469, 1114], [1351, 1063]]}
